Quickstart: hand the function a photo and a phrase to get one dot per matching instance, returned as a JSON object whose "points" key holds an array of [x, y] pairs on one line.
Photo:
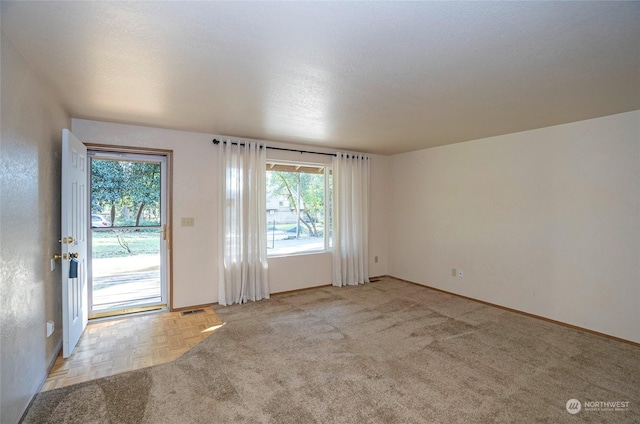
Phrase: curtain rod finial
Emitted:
{"points": [[216, 141]]}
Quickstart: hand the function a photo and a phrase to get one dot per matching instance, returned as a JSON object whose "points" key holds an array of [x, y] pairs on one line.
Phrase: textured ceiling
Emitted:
{"points": [[379, 77]]}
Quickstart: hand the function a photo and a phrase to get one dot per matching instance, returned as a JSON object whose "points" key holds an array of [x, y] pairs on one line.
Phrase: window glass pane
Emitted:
{"points": [[124, 193], [295, 208]]}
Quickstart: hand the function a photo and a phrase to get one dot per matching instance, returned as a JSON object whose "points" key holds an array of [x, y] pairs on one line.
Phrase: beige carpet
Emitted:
{"points": [[385, 352]]}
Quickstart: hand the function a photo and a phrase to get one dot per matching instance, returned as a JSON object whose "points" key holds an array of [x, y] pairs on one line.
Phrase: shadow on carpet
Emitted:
{"points": [[385, 352]]}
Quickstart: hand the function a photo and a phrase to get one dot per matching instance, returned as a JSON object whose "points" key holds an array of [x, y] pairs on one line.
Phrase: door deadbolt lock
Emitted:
{"points": [[65, 256], [66, 240]]}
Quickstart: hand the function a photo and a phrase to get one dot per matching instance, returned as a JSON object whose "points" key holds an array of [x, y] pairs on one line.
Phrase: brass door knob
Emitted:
{"points": [[65, 256]]}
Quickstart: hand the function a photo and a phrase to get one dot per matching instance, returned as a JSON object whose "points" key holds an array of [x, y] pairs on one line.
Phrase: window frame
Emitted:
{"points": [[328, 221]]}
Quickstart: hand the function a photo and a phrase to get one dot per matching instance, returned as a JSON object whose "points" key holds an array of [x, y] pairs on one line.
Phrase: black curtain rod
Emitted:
{"points": [[216, 141]]}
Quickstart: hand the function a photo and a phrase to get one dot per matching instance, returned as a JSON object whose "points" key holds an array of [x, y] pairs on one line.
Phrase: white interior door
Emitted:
{"points": [[74, 240]]}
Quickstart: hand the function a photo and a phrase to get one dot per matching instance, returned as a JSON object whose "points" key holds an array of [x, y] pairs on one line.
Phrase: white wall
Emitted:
{"points": [[195, 250], [30, 293], [544, 221], [379, 213], [194, 192]]}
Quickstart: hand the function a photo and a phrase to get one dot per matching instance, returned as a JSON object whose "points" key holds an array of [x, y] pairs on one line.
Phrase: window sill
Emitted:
{"points": [[308, 253]]}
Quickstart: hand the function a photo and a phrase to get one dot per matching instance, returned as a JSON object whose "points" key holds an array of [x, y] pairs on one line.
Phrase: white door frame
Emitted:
{"points": [[152, 156]]}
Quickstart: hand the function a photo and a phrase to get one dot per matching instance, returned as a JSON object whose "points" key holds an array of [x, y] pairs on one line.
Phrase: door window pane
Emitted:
{"points": [[125, 193], [127, 238]]}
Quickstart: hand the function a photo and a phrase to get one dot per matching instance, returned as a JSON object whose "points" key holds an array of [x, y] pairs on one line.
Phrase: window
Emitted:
{"points": [[298, 198]]}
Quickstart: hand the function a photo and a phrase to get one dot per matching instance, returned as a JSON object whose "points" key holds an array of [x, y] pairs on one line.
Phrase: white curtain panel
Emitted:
{"points": [[350, 219], [242, 223]]}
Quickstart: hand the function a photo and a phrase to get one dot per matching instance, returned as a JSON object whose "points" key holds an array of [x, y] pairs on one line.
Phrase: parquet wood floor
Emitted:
{"points": [[125, 344]]}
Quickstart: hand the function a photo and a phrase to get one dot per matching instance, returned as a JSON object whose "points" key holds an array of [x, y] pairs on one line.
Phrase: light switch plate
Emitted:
{"points": [[187, 222]]}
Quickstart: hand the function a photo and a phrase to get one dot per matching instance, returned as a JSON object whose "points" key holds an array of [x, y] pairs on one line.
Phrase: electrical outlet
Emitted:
{"points": [[454, 272], [376, 259], [460, 273], [187, 222]]}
